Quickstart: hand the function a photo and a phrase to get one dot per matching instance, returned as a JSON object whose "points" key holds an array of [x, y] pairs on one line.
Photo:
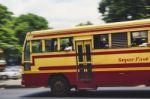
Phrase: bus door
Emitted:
{"points": [[84, 65]]}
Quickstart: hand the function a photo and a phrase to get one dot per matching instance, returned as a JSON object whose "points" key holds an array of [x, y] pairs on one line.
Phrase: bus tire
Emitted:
{"points": [[59, 86]]}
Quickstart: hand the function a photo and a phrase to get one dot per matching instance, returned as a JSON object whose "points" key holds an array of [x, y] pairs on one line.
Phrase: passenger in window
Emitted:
{"points": [[103, 43], [62, 47], [144, 43], [139, 39], [134, 44], [66, 44], [68, 47]]}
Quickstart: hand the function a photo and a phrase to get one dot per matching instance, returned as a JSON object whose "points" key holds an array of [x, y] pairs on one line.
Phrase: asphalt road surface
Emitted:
{"points": [[102, 93]]}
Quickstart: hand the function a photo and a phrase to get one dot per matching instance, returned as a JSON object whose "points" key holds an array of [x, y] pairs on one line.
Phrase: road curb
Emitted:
{"points": [[8, 84], [11, 86]]}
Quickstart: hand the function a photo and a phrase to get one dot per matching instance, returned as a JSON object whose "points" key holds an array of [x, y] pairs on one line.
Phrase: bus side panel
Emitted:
{"points": [[131, 78], [122, 67], [107, 78], [41, 79], [35, 80], [138, 77]]}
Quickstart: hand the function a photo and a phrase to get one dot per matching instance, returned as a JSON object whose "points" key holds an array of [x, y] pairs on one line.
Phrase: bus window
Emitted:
{"points": [[51, 45], [27, 52], [139, 38], [101, 41], [36, 46], [66, 44], [119, 40]]}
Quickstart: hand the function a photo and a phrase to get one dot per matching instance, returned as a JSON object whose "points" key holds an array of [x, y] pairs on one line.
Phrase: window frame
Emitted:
{"points": [[122, 32], [41, 49], [131, 37], [108, 41], [26, 62], [24, 52], [69, 40], [54, 48]]}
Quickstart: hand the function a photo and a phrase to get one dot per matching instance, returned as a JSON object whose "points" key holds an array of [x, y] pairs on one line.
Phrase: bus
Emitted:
{"points": [[88, 57]]}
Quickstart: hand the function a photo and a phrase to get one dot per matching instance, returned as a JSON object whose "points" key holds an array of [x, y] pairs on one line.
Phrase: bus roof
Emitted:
{"points": [[94, 27], [135, 22]]}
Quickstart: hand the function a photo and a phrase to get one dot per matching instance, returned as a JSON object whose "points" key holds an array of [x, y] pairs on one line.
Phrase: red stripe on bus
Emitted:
{"points": [[90, 31], [121, 52], [56, 55], [57, 67], [125, 65], [93, 53]]}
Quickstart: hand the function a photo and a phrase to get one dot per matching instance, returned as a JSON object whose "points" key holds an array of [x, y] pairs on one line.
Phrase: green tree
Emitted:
{"points": [[123, 10], [27, 23], [8, 41], [84, 24], [5, 15], [14, 29]]}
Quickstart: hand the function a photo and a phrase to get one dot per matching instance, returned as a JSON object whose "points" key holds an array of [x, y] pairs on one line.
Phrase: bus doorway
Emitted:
{"points": [[84, 63]]}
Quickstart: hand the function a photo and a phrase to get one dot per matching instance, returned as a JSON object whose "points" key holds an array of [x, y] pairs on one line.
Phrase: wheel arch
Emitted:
{"points": [[52, 76]]}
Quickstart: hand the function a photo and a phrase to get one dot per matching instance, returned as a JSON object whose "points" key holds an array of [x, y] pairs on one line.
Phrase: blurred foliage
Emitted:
{"points": [[5, 15], [14, 29], [123, 10], [8, 41], [84, 24], [27, 23]]}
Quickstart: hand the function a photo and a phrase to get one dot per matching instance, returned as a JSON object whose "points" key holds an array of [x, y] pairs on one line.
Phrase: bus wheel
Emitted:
{"points": [[59, 86]]}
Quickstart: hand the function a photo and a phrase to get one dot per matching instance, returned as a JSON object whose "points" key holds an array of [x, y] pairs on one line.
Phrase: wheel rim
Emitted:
{"points": [[59, 86]]}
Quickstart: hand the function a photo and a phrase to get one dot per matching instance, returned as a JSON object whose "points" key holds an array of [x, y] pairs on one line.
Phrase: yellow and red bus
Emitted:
{"points": [[86, 57]]}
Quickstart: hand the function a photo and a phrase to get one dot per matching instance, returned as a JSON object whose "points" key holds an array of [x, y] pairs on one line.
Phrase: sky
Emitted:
{"points": [[59, 13]]}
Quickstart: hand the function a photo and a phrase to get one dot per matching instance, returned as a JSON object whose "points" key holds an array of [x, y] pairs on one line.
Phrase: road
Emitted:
{"points": [[102, 93]]}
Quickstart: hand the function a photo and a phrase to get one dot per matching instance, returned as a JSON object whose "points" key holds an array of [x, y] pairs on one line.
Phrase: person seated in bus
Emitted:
{"points": [[144, 43], [68, 47], [62, 47], [139, 42], [104, 43]]}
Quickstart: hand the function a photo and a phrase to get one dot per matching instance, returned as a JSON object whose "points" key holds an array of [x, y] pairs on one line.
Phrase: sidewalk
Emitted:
{"points": [[11, 84]]}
